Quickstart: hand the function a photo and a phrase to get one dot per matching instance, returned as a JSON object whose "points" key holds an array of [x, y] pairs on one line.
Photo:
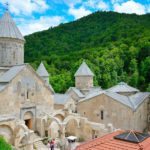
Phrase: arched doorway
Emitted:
{"points": [[71, 128], [60, 117], [28, 118]]}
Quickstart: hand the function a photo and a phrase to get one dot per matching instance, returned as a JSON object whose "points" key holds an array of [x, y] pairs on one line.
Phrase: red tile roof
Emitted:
{"points": [[108, 142]]}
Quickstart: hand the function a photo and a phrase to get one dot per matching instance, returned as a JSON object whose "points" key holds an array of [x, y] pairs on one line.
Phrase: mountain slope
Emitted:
{"points": [[116, 47]]}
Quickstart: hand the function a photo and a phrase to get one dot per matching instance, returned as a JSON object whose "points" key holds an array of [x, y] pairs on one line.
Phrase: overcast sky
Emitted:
{"points": [[37, 15]]}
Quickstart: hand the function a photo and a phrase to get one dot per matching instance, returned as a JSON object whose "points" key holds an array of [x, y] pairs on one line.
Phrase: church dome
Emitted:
{"points": [[84, 70], [8, 28]]}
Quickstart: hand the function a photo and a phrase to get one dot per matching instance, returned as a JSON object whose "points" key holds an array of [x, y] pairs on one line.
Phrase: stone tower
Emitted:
{"points": [[84, 77], [42, 72], [11, 42]]}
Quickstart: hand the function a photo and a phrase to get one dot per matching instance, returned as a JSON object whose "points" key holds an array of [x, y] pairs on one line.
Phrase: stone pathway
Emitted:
{"points": [[46, 148]]}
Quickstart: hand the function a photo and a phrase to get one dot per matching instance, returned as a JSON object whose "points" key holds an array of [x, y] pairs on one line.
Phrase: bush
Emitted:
{"points": [[4, 145]]}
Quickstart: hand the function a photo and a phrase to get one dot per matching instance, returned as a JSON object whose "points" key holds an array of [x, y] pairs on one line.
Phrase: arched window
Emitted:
{"points": [[102, 114]]}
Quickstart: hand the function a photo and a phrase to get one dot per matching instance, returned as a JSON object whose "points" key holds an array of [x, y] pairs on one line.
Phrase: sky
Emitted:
{"points": [[37, 15]]}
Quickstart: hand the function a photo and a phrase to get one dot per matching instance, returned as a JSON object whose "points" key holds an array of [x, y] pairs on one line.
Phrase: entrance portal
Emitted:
{"points": [[29, 119], [28, 123]]}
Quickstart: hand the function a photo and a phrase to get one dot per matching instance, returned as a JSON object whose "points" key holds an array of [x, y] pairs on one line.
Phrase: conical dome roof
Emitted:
{"points": [[8, 28], [41, 71], [84, 70]]}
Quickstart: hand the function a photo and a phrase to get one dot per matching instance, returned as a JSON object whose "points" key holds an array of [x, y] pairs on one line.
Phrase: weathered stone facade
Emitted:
{"points": [[11, 52], [84, 83], [103, 109], [26, 86]]}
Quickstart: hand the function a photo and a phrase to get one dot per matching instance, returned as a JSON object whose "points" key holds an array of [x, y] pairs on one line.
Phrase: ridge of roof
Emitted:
{"points": [[8, 28], [13, 71], [122, 87], [84, 70], [77, 91], [41, 71], [132, 101]]}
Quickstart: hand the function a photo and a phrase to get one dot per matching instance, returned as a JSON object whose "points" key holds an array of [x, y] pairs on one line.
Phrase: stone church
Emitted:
{"points": [[30, 110]]}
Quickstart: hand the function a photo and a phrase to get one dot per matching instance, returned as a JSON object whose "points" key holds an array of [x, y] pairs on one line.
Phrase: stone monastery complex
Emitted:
{"points": [[30, 110]]}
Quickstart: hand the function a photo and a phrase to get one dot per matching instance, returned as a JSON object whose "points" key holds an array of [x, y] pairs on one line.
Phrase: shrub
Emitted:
{"points": [[4, 145]]}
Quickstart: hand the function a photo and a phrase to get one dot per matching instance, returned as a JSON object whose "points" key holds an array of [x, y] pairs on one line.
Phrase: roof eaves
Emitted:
{"points": [[91, 96], [147, 94], [120, 100]]}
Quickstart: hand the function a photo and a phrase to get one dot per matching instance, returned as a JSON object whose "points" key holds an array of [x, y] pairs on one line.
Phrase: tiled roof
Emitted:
{"points": [[84, 70], [122, 87], [8, 27], [61, 98], [108, 142], [41, 71]]}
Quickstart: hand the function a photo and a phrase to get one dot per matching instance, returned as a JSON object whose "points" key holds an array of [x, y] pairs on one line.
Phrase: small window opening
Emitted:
{"points": [[27, 94], [102, 114]]}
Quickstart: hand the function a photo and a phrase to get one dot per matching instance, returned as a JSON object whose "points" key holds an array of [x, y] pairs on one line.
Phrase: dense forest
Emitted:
{"points": [[115, 46]]}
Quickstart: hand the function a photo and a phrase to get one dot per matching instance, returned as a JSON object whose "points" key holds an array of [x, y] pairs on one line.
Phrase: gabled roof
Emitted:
{"points": [[11, 73], [138, 98], [8, 28], [82, 95], [84, 70], [108, 142], [77, 91], [132, 101], [122, 87], [61, 98], [41, 71]]}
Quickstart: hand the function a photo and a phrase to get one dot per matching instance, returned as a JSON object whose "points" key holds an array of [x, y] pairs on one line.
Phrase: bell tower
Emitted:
{"points": [[84, 77], [11, 42]]}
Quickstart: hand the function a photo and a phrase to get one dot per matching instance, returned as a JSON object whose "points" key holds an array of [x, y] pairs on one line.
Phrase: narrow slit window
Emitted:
{"points": [[102, 114], [27, 94]]}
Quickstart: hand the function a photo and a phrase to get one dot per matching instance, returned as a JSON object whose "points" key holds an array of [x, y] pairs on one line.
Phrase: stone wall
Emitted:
{"points": [[11, 52], [119, 115], [58, 106], [26, 86], [141, 117], [84, 82]]}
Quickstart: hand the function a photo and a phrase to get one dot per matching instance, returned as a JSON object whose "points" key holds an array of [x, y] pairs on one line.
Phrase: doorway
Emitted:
{"points": [[28, 123], [28, 118]]}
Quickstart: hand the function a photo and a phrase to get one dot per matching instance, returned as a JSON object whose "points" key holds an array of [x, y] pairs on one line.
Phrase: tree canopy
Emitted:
{"points": [[115, 46]]}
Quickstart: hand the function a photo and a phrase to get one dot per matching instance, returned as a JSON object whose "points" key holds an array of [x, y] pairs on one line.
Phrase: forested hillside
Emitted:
{"points": [[115, 46]]}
